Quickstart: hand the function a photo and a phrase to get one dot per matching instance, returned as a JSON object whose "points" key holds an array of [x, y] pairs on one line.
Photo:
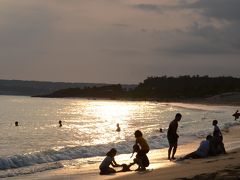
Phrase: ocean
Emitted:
{"points": [[89, 129]]}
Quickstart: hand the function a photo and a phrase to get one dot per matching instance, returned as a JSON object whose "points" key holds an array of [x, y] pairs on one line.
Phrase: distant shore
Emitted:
{"points": [[230, 99]]}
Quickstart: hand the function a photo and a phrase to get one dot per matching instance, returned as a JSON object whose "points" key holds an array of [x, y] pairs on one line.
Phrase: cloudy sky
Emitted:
{"points": [[118, 41]]}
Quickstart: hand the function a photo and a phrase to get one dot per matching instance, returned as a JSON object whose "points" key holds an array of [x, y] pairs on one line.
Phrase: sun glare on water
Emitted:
{"points": [[105, 115]]}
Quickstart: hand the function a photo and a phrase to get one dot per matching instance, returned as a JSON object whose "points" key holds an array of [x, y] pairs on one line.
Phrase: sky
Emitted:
{"points": [[118, 41]]}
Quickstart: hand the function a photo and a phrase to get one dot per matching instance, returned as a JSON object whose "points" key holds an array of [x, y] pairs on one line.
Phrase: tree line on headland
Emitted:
{"points": [[158, 88]]}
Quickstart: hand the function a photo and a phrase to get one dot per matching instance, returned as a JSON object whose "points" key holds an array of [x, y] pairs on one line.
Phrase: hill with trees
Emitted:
{"points": [[159, 88]]}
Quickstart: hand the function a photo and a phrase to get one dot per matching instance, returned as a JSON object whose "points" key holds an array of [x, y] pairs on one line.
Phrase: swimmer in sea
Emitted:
{"points": [[118, 128]]}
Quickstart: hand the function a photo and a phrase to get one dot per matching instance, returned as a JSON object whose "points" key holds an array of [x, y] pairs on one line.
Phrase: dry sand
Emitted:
{"points": [[217, 167]]}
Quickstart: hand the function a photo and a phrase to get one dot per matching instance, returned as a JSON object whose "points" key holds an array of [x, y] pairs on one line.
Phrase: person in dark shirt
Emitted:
{"points": [[218, 138], [173, 136]]}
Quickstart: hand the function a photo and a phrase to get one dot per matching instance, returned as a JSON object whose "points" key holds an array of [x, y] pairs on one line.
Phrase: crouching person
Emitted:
{"points": [[141, 159], [109, 160]]}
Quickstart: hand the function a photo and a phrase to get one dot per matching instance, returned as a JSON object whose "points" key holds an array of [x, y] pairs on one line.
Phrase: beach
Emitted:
{"points": [[225, 166], [39, 149]]}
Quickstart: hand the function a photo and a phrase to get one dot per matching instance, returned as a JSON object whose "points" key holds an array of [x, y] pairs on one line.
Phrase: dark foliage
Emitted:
{"points": [[161, 88], [110, 91], [185, 87]]}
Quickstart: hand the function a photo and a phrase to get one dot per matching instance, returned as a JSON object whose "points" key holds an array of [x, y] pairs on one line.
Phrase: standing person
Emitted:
{"points": [[218, 138], [173, 136], [144, 147], [109, 160]]}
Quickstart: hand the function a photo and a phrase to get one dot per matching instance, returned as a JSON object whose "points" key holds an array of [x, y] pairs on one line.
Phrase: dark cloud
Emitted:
{"points": [[120, 25], [203, 36], [148, 7], [202, 41], [220, 9]]}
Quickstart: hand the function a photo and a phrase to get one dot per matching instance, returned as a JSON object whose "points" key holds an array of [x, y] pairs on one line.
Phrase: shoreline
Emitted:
{"points": [[232, 99], [160, 167]]}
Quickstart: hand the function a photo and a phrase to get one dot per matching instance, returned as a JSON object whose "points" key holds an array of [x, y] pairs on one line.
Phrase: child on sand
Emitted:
{"points": [[144, 148], [141, 159], [109, 160]]}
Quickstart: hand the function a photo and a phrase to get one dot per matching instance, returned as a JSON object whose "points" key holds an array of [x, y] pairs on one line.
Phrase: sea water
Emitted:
{"points": [[89, 129]]}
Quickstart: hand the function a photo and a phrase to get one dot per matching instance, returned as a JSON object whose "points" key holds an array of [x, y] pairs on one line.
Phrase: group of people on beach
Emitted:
{"points": [[141, 147], [212, 145]]}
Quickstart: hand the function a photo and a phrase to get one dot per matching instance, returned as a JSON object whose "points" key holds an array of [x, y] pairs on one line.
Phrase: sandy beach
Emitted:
{"points": [[218, 167]]}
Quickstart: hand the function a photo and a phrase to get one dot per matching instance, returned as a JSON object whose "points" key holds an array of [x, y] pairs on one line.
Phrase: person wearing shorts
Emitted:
{"points": [[173, 136]]}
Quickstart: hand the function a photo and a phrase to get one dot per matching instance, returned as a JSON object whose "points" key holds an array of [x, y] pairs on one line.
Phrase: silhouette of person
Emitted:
{"points": [[160, 130], [144, 147], [60, 123], [236, 115], [16, 123], [118, 128], [109, 160], [141, 159], [202, 151], [173, 136], [218, 138]]}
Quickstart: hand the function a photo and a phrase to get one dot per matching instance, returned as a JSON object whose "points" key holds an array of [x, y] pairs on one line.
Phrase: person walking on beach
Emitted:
{"points": [[173, 136]]}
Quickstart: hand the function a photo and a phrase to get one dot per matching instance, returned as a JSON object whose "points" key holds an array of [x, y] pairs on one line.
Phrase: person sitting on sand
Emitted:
{"points": [[118, 128], [218, 138], [173, 136], [144, 147], [236, 115], [109, 160], [141, 159], [202, 151]]}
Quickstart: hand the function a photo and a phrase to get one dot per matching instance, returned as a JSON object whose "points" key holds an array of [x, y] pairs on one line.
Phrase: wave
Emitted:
{"points": [[70, 153], [30, 170]]}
